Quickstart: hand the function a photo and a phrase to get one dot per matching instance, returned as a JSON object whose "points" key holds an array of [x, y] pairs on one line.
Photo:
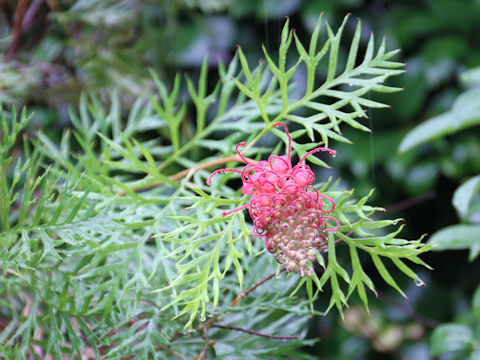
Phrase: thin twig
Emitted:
{"points": [[408, 311], [211, 323], [180, 175], [17, 27], [253, 332], [256, 285], [203, 354], [410, 202], [29, 17], [6, 11]]}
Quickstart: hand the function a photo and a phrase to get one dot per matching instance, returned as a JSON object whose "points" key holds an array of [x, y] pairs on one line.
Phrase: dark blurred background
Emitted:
{"points": [[53, 50]]}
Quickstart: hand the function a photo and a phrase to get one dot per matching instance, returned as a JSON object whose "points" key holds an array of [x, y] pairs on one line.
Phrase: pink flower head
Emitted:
{"points": [[285, 208]]}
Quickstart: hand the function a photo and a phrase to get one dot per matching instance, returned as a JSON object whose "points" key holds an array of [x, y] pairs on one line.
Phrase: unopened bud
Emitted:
{"points": [[311, 254], [308, 272]]}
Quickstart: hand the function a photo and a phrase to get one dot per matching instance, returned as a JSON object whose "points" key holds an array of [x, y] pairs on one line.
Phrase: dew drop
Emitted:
{"points": [[419, 282], [203, 318]]}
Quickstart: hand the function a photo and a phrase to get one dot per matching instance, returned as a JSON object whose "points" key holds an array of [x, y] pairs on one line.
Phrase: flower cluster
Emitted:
{"points": [[286, 210]]}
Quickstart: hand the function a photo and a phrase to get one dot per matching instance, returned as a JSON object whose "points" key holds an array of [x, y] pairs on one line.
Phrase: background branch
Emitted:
{"points": [[181, 174], [228, 327]]}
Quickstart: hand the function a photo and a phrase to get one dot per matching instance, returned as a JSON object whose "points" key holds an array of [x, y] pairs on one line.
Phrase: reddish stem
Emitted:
{"points": [[253, 332]]}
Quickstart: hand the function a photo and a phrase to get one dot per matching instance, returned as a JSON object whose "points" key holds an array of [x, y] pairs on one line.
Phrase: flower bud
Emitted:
{"points": [[308, 272], [311, 254]]}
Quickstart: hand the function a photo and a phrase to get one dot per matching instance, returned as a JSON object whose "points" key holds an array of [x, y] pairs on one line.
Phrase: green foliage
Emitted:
{"points": [[201, 239], [16, 82], [465, 113], [464, 195], [476, 304], [451, 338], [82, 267], [56, 60], [112, 243], [456, 340], [459, 340], [454, 237]]}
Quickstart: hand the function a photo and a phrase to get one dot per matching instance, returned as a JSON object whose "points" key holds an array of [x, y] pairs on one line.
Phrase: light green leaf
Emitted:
{"points": [[431, 129], [471, 77], [465, 113], [476, 304], [450, 337], [457, 237], [475, 355], [386, 274], [464, 194]]}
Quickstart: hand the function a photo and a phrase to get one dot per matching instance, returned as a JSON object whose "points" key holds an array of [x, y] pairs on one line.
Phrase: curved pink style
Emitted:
{"points": [[289, 149], [239, 153], [332, 152], [209, 180]]}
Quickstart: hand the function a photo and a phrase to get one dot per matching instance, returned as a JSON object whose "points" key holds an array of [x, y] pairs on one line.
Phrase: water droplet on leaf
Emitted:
{"points": [[419, 282]]}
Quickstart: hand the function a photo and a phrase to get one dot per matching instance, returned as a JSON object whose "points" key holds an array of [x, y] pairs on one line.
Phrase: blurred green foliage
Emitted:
{"points": [[61, 48]]}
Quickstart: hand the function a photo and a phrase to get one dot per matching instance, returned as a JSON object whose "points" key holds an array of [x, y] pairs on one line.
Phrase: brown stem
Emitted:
{"points": [[408, 311], [203, 354], [6, 11], [253, 332], [180, 175], [256, 285], [30, 14], [408, 203], [211, 323], [17, 28], [204, 326]]}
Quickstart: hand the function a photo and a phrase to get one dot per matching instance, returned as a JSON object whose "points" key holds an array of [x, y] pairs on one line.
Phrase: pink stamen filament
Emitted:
{"points": [[292, 188], [209, 180], [315, 191], [225, 213], [332, 152], [247, 170], [289, 150], [264, 184], [265, 173], [273, 157]]}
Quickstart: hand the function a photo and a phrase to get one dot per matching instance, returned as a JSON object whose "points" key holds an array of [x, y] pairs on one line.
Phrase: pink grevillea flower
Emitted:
{"points": [[285, 208]]}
